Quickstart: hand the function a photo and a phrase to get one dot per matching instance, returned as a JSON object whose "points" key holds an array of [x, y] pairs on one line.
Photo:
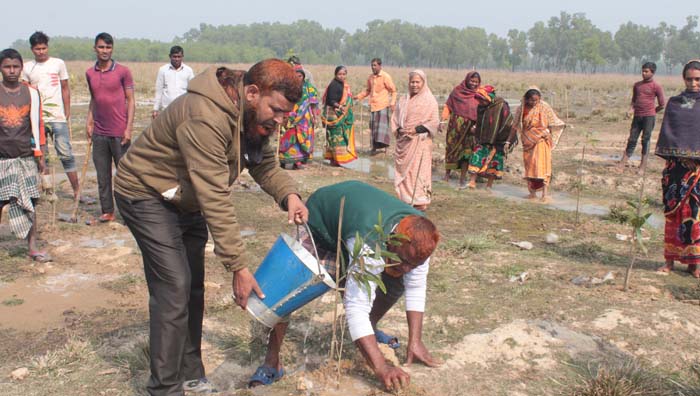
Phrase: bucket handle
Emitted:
{"points": [[318, 260]]}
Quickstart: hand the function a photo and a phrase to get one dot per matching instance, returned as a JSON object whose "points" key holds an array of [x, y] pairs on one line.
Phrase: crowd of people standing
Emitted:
{"points": [[172, 186]]}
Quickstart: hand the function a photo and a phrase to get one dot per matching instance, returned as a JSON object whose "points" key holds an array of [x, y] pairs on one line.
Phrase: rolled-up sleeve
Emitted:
{"points": [[416, 283], [358, 300]]}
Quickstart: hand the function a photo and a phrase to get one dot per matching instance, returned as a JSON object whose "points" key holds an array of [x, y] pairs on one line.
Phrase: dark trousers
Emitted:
{"points": [[105, 150], [394, 290], [172, 244], [643, 124]]}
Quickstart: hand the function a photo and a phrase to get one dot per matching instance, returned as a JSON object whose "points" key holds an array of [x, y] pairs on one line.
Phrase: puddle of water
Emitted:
{"points": [[617, 157], [372, 166], [118, 240], [564, 201], [378, 165], [45, 300]]}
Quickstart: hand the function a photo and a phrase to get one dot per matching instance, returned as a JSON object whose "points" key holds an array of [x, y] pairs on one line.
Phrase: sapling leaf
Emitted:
{"points": [[390, 255]]}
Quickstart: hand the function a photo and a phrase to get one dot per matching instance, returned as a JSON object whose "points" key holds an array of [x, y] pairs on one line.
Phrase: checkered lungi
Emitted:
{"points": [[19, 184]]}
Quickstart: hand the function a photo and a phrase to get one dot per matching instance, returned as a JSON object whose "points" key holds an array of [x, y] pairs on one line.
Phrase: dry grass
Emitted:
{"points": [[585, 93], [630, 378]]}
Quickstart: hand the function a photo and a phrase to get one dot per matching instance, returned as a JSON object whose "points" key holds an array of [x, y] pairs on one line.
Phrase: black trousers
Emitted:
{"points": [[644, 125], [172, 244], [105, 150], [394, 290]]}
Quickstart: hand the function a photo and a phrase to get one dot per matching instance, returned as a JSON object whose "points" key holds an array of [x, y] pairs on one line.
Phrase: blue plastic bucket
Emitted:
{"points": [[289, 278]]}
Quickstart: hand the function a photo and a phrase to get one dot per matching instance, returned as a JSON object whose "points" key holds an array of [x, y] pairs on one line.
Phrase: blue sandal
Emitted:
{"points": [[383, 338], [266, 376]]}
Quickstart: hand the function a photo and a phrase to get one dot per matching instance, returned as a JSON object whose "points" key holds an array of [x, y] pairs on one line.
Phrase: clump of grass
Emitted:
{"points": [[585, 251], [135, 359], [684, 292], [628, 378], [124, 284], [618, 214], [73, 353], [13, 302], [512, 270], [469, 245]]}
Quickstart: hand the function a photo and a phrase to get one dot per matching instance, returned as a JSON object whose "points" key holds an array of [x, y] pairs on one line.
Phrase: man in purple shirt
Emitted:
{"points": [[110, 117], [644, 109]]}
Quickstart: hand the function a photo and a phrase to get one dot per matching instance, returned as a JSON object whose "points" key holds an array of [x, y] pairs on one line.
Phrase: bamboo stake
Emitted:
{"points": [[54, 198], [362, 127], [334, 341], [279, 140], [415, 184], [628, 272]]}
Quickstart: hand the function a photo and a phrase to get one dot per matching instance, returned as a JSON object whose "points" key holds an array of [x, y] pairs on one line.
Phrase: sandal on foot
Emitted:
{"points": [[265, 375], [40, 257], [383, 338]]}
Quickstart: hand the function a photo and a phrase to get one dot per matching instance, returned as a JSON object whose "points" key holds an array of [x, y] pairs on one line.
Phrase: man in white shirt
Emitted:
{"points": [[172, 80], [407, 275], [50, 76]]}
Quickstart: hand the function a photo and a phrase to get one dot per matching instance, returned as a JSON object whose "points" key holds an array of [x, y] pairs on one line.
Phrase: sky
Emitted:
{"points": [[163, 20]]}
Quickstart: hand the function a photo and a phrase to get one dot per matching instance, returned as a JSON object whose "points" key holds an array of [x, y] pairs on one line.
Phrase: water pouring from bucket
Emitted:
{"points": [[290, 277]]}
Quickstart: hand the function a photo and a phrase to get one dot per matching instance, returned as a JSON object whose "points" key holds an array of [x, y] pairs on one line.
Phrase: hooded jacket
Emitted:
{"points": [[189, 156]]}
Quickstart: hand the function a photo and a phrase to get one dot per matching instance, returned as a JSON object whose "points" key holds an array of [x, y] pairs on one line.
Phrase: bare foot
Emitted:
{"points": [[531, 196], [545, 200], [694, 271], [471, 185], [667, 268]]}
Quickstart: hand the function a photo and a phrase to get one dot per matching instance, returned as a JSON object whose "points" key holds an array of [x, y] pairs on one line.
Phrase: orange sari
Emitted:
{"points": [[538, 125]]}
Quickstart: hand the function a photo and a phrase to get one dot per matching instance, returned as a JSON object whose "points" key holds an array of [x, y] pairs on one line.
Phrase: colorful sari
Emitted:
{"points": [[493, 126], [297, 139], [414, 151], [340, 131], [679, 144], [536, 130], [460, 141]]}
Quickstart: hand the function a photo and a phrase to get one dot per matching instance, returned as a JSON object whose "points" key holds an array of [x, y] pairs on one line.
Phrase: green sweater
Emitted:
{"points": [[360, 212]]}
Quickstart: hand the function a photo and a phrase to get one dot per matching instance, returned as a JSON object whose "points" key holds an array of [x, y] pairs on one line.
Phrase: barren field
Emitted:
{"points": [[505, 320]]}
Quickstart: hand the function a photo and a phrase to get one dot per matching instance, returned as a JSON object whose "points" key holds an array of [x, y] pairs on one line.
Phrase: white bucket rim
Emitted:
{"points": [[308, 259]]}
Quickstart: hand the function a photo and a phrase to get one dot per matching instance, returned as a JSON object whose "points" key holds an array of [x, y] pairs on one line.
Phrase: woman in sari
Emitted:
{"points": [[459, 114], [679, 145], [297, 139], [537, 124], [494, 137], [414, 123], [338, 119]]}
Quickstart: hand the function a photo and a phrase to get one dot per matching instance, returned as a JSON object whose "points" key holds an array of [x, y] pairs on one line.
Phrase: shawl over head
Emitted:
{"points": [[680, 129], [487, 92], [420, 109], [494, 122], [461, 100]]}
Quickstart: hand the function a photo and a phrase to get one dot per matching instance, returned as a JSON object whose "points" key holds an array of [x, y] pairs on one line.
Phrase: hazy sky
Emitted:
{"points": [[163, 20]]}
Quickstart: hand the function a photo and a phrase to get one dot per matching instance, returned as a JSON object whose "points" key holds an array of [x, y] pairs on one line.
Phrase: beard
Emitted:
{"points": [[256, 133]]}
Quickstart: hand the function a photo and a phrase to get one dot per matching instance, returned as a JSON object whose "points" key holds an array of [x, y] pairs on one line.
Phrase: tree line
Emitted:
{"points": [[567, 42]]}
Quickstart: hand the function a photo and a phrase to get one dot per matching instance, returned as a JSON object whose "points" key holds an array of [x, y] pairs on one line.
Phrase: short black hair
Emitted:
{"points": [[11, 53], [294, 60], [651, 66], [378, 60], [38, 37], [106, 37], [176, 49], [694, 65]]}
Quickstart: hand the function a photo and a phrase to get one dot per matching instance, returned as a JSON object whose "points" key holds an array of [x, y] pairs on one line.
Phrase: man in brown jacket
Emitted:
{"points": [[175, 183]]}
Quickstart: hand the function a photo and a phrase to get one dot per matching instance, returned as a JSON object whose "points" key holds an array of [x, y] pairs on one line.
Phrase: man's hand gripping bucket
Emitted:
{"points": [[290, 277]]}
